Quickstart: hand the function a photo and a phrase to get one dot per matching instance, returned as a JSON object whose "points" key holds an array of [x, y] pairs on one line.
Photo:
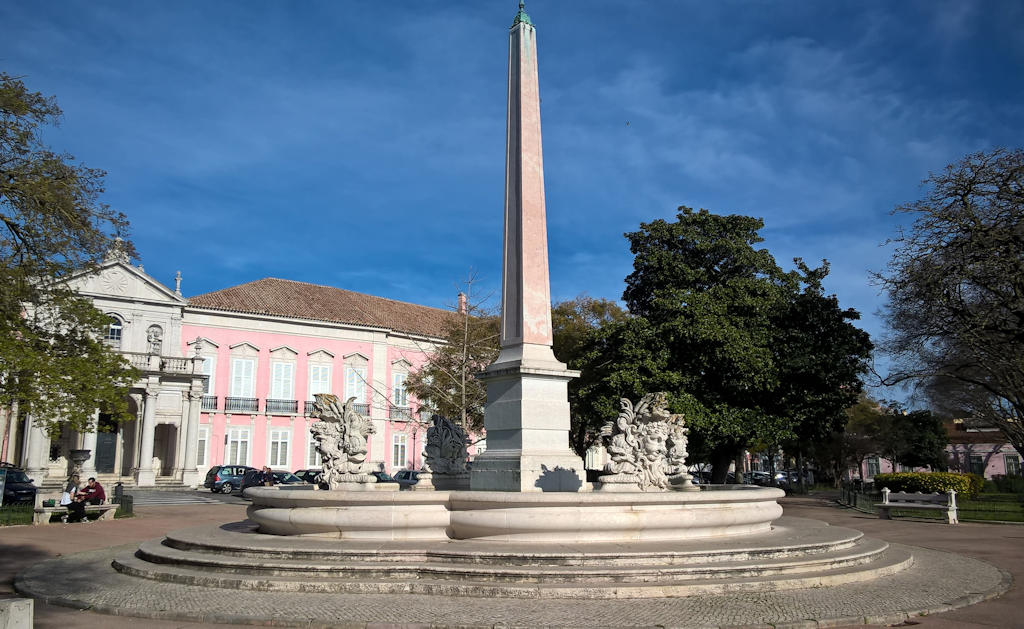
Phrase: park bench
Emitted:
{"points": [[41, 514], [903, 501]]}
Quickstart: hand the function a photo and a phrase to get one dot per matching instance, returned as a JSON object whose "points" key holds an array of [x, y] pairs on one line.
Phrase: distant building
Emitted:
{"points": [[229, 377], [983, 451]]}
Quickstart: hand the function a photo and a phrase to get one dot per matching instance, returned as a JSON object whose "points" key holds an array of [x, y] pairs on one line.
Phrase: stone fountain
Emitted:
{"points": [[529, 524]]}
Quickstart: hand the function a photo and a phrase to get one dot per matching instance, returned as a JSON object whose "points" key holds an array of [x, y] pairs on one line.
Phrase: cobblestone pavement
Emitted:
{"points": [[937, 582], [85, 580]]}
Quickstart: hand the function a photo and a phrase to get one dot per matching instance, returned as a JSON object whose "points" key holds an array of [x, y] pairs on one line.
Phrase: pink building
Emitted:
{"points": [[983, 451], [228, 378]]}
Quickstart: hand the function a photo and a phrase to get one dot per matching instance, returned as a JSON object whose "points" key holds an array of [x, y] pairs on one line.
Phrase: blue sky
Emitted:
{"points": [[360, 144]]}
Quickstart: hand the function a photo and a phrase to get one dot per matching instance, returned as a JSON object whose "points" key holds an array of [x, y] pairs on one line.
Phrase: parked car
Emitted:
{"points": [[407, 478], [384, 477], [287, 478], [311, 476], [758, 478], [18, 486], [225, 478]]}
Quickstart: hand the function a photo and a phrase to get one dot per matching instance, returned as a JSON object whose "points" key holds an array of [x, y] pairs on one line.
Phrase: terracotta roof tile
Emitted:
{"points": [[301, 300]]}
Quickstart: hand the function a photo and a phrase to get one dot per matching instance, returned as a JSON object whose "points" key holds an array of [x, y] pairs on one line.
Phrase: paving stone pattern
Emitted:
{"points": [[936, 582]]}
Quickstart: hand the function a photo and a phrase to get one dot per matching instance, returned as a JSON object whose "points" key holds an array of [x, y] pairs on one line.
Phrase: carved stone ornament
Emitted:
{"points": [[445, 450], [341, 440], [647, 447]]}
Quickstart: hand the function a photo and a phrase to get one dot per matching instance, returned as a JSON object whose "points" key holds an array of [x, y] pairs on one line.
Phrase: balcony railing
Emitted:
{"points": [[362, 409], [166, 364], [241, 405], [282, 406], [400, 413], [209, 402]]}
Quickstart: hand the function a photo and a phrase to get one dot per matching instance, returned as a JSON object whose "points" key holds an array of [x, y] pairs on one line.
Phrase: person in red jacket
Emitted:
{"points": [[91, 494]]}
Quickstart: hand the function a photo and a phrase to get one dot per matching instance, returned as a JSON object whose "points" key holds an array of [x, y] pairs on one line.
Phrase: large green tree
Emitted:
{"points": [[712, 297], [52, 225], [955, 288], [821, 357], [752, 354]]}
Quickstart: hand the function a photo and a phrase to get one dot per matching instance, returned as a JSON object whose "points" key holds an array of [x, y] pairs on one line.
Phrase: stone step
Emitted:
{"points": [[887, 562], [791, 537], [436, 568]]}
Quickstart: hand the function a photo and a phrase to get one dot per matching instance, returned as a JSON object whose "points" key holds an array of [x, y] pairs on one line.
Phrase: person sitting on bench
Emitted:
{"points": [[91, 494]]}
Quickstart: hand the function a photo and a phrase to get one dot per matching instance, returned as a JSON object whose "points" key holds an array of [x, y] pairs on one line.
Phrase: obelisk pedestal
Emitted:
{"points": [[527, 411]]}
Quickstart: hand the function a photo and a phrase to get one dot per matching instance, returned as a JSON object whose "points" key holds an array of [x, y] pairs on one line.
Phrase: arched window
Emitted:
{"points": [[113, 334]]}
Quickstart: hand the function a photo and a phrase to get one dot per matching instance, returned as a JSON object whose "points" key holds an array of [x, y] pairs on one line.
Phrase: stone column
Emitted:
{"points": [[89, 443], [144, 476], [37, 446], [189, 474], [527, 411]]}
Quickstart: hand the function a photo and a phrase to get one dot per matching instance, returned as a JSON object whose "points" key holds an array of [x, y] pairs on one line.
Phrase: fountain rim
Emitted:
{"points": [[281, 497]]}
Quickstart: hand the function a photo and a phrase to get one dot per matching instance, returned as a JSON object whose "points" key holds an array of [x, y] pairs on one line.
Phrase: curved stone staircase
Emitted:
{"points": [[796, 553]]}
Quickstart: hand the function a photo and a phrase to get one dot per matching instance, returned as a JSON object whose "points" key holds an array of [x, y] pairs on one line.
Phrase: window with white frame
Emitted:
{"points": [[874, 466], [399, 444], [236, 451], [280, 439], [282, 380], [399, 396], [319, 379], [977, 464], [204, 440], [112, 336], [1012, 462], [210, 371], [313, 458], [355, 383], [242, 377]]}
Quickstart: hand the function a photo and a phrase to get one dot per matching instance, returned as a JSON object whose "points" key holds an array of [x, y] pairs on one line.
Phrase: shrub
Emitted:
{"points": [[1009, 484], [965, 485]]}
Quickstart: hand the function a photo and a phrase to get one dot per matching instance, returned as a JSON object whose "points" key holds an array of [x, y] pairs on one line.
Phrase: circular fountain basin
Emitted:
{"points": [[516, 517]]}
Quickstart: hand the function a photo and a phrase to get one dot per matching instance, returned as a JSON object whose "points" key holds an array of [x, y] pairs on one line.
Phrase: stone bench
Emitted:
{"points": [[903, 500], [41, 514]]}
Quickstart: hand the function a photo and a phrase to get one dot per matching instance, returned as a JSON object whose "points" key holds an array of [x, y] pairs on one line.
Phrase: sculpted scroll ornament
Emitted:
{"points": [[341, 440], [445, 451], [647, 446]]}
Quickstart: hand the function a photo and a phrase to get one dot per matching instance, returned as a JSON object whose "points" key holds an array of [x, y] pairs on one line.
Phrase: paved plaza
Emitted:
{"points": [[935, 582]]}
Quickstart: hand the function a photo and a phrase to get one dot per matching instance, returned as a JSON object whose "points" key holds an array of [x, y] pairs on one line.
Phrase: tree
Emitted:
{"points": [[753, 355], [712, 298], [860, 439], [52, 225], [578, 327], [821, 357], [955, 285], [446, 383], [912, 438]]}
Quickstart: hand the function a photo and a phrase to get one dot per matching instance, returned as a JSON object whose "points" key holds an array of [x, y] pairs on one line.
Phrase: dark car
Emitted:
{"points": [[311, 476], [384, 477], [407, 478], [256, 478], [287, 478], [225, 478], [18, 486]]}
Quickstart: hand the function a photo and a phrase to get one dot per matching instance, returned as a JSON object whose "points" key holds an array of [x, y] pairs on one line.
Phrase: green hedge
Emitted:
{"points": [[965, 485]]}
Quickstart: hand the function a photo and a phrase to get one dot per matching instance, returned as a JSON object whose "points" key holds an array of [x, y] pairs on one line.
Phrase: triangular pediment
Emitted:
{"points": [[116, 279]]}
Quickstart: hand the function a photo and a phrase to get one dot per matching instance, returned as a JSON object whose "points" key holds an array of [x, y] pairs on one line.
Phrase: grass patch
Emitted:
{"points": [[986, 507], [11, 515]]}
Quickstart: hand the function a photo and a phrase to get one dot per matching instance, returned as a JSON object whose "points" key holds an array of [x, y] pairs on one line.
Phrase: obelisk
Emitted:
{"points": [[527, 411]]}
